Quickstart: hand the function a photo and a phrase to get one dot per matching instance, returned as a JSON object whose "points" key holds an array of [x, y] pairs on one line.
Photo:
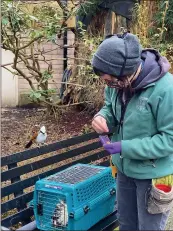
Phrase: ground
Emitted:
{"points": [[16, 125]]}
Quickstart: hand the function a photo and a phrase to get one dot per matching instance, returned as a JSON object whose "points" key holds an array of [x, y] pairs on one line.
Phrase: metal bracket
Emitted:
{"points": [[112, 192], [86, 209]]}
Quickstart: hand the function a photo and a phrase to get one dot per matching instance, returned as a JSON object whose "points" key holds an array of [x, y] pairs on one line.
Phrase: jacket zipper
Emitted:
{"points": [[121, 125]]}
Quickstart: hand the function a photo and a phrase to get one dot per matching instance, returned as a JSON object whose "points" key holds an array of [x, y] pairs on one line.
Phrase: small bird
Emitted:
{"points": [[38, 137]]}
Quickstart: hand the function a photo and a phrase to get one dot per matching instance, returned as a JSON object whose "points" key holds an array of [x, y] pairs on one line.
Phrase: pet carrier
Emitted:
{"points": [[75, 198]]}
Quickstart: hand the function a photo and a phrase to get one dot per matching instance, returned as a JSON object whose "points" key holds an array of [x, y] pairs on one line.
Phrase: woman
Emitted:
{"points": [[139, 105]]}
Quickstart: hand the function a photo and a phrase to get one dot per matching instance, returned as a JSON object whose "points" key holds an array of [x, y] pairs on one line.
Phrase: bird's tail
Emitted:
{"points": [[29, 144]]}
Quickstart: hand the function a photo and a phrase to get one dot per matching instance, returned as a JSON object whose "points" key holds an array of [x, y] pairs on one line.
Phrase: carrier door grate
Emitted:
{"points": [[53, 213]]}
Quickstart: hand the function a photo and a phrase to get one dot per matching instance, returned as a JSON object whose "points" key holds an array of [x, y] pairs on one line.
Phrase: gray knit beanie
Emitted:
{"points": [[118, 55]]}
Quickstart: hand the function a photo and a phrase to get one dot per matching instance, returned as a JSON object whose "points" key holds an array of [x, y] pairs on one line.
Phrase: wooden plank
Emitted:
{"points": [[108, 223], [13, 180], [16, 202], [16, 218], [16, 187], [12, 203], [28, 154], [105, 163], [18, 171], [5, 191]]}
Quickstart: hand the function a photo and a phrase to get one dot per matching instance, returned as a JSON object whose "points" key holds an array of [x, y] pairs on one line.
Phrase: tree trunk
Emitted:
{"points": [[115, 24], [109, 23]]}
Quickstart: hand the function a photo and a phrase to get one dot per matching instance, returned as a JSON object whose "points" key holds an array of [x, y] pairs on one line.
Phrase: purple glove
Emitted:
{"points": [[113, 148], [104, 140]]}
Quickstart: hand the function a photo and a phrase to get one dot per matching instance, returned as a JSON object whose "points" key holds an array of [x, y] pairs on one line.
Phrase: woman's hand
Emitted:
{"points": [[99, 124], [113, 148]]}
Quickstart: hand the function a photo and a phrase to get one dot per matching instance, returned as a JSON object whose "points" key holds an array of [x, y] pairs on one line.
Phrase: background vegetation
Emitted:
{"points": [[44, 22]]}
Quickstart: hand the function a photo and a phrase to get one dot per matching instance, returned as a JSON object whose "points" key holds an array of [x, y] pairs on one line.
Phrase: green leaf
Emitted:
{"points": [[37, 95], [5, 21], [46, 76]]}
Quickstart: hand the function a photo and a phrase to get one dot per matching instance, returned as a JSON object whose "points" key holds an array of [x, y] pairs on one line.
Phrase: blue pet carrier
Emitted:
{"points": [[74, 199]]}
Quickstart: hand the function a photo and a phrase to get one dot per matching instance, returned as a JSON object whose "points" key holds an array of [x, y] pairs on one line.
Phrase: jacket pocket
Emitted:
{"points": [[146, 163], [159, 201]]}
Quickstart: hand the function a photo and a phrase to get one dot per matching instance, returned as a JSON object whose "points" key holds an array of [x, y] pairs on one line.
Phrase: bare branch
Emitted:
{"points": [[74, 104], [73, 84], [64, 106], [7, 64], [28, 57], [32, 41], [14, 73], [30, 67], [37, 63], [25, 77]]}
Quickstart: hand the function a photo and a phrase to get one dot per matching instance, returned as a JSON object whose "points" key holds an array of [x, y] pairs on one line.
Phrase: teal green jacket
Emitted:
{"points": [[147, 131]]}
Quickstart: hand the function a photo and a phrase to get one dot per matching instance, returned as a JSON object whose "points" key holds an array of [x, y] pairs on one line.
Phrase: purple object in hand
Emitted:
{"points": [[104, 140], [113, 148]]}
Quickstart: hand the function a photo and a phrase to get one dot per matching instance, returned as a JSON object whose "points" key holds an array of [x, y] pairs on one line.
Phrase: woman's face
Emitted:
{"points": [[111, 81], [120, 82], [107, 77]]}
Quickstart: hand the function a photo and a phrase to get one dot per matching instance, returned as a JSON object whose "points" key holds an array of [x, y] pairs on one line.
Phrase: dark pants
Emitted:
{"points": [[131, 204]]}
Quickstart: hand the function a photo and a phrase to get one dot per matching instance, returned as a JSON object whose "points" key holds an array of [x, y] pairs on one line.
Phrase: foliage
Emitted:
{"points": [[38, 94], [141, 24], [150, 33], [168, 33], [90, 88], [154, 33], [41, 23], [89, 7], [25, 27], [34, 20], [93, 92]]}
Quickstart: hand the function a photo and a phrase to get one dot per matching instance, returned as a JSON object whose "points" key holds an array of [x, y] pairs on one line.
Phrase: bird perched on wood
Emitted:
{"points": [[38, 136]]}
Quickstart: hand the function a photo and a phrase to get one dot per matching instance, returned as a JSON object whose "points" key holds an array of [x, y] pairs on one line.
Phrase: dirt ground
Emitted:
{"points": [[17, 124]]}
